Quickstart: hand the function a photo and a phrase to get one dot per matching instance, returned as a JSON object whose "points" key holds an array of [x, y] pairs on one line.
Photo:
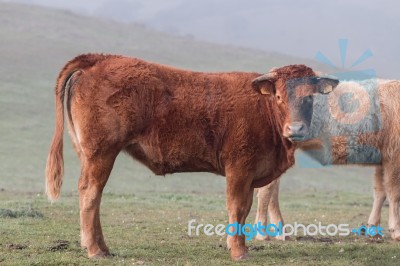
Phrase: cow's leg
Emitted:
{"points": [[264, 198], [94, 175], [239, 199], [274, 210], [391, 177], [379, 198]]}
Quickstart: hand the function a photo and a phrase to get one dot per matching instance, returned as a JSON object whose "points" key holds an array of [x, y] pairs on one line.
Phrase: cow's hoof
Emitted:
{"points": [[280, 238], [262, 238], [376, 237], [395, 235], [395, 238], [99, 255], [242, 257]]}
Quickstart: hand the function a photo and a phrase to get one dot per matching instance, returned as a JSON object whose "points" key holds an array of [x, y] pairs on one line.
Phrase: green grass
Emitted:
{"points": [[151, 229]]}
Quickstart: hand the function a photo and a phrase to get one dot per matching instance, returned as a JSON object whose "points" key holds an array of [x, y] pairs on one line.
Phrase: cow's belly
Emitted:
{"points": [[163, 161], [347, 150]]}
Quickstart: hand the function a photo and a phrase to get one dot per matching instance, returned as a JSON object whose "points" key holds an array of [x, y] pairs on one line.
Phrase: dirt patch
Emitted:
{"points": [[314, 239], [218, 246], [59, 245], [377, 240], [16, 246], [256, 248]]}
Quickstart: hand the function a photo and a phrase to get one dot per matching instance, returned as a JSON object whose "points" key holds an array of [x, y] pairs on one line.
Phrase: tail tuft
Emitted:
{"points": [[54, 170]]}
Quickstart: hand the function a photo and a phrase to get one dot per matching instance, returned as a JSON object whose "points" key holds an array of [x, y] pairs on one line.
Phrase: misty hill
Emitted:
{"points": [[298, 28], [36, 42]]}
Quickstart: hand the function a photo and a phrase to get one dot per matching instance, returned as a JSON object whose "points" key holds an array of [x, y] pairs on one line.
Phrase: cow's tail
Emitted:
{"points": [[55, 160]]}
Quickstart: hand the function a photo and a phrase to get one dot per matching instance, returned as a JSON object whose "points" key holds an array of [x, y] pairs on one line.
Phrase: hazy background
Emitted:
{"points": [[37, 40], [299, 28]]}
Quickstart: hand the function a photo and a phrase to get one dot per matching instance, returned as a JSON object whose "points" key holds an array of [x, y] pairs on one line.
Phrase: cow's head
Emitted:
{"points": [[293, 88]]}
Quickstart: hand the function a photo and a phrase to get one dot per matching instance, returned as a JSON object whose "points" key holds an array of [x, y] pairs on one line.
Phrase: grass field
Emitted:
{"points": [[150, 227], [145, 220], [145, 217]]}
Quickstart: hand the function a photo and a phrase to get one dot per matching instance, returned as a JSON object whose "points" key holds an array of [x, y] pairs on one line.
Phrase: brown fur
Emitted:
{"points": [[170, 120]]}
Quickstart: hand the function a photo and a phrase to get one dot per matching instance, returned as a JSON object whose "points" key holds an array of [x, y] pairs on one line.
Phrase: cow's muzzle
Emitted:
{"points": [[295, 131]]}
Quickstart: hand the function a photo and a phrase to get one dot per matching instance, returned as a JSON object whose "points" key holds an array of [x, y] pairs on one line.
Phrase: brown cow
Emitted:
{"points": [[172, 121]]}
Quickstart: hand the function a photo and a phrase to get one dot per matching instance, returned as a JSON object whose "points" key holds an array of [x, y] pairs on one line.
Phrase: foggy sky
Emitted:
{"points": [[300, 28]]}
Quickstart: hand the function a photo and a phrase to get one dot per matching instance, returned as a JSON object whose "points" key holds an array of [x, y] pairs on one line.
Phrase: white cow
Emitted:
{"points": [[366, 134]]}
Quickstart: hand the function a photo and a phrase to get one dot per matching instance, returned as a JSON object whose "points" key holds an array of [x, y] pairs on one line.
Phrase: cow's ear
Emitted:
{"points": [[326, 84], [264, 85]]}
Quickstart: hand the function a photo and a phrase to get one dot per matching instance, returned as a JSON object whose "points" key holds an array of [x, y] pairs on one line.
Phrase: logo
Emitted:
{"points": [[251, 230], [343, 119]]}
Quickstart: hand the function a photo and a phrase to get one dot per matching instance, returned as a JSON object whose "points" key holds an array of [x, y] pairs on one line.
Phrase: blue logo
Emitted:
{"points": [[346, 116], [368, 231], [343, 43]]}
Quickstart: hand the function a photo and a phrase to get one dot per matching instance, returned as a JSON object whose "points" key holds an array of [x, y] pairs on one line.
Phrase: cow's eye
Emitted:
{"points": [[278, 97]]}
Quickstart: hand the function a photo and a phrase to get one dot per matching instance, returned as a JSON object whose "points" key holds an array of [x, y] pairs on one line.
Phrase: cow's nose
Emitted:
{"points": [[295, 129]]}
